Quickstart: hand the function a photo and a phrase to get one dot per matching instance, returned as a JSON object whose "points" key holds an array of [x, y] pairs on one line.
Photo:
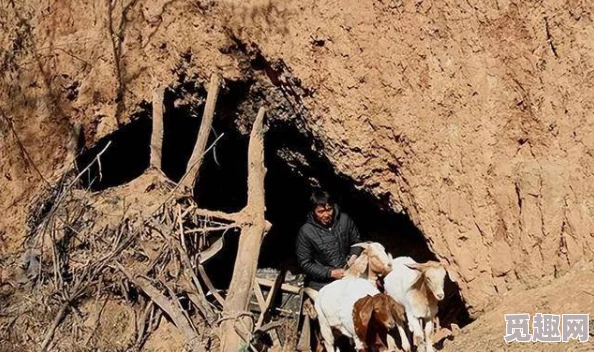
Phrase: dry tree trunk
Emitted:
{"points": [[253, 231], [251, 219], [157, 133], [193, 166]]}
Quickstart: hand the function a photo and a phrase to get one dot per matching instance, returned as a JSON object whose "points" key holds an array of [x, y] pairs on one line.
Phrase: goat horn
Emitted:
{"points": [[415, 266], [362, 245]]}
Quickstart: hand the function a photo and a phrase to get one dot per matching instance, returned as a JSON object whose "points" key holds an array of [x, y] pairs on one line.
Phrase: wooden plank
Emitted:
{"points": [[209, 284], [264, 304], [300, 316], [259, 297], [285, 287], [303, 344], [270, 298]]}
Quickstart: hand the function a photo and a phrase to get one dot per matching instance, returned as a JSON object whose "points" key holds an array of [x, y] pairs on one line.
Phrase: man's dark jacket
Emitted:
{"points": [[320, 249]]}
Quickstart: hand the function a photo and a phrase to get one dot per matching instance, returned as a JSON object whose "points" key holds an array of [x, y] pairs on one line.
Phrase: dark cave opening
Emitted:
{"points": [[222, 186], [180, 130], [126, 157], [293, 169]]}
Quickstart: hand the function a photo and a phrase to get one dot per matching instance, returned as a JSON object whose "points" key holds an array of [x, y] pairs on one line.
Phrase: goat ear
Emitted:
{"points": [[359, 266], [364, 310], [367, 315], [397, 309], [452, 275], [434, 263]]}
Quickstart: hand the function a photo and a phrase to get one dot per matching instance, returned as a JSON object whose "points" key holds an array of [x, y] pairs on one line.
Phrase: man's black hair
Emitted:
{"points": [[320, 197]]}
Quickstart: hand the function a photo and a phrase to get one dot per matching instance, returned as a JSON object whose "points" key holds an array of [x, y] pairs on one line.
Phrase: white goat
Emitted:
{"points": [[334, 302], [419, 288], [334, 306]]}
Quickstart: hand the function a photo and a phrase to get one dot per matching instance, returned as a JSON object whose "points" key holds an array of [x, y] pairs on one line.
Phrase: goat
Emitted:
{"points": [[334, 307], [334, 302], [371, 263], [419, 288], [375, 316]]}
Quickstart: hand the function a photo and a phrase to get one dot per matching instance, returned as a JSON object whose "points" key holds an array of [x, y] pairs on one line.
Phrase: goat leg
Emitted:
{"points": [[391, 342], [403, 339], [326, 332], [429, 335], [359, 346], [414, 324]]}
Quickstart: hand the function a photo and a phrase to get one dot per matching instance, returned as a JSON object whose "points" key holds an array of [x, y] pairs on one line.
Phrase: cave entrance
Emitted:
{"points": [[294, 169], [288, 184], [124, 159]]}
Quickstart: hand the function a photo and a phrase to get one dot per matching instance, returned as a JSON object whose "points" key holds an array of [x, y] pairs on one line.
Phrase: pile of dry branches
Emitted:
{"points": [[154, 262]]}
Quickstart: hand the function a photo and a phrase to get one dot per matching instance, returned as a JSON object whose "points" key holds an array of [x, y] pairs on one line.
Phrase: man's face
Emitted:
{"points": [[324, 214]]}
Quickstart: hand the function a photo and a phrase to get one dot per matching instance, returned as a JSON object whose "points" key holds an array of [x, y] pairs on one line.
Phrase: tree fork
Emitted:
{"points": [[250, 240]]}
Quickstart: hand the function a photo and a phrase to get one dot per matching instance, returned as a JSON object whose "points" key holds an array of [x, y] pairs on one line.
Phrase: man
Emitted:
{"points": [[324, 242]]}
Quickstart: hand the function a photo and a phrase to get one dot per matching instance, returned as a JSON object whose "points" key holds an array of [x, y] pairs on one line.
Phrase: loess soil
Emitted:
{"points": [[470, 120]]}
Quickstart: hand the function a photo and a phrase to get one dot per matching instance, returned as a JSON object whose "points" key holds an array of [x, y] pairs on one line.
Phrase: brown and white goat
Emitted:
{"points": [[375, 317], [372, 263]]}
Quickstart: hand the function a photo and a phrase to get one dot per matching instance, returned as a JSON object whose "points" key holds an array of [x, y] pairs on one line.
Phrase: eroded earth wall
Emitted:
{"points": [[473, 117]]}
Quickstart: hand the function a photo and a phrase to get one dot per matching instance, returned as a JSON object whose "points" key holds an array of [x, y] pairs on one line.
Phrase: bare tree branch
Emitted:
{"points": [[157, 132], [195, 162]]}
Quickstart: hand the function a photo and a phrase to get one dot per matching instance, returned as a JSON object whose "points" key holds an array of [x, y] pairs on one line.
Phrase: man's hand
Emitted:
{"points": [[351, 260], [337, 274]]}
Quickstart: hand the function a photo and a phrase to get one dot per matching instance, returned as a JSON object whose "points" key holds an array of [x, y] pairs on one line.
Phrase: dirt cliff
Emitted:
{"points": [[472, 118]]}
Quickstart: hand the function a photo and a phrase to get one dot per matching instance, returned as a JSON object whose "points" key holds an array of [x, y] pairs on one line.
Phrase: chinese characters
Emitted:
{"points": [[546, 327]]}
